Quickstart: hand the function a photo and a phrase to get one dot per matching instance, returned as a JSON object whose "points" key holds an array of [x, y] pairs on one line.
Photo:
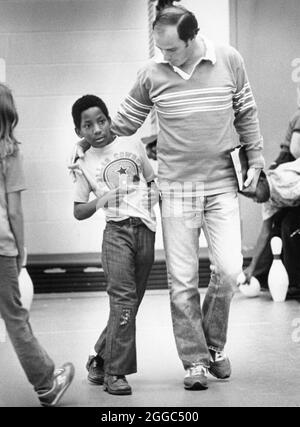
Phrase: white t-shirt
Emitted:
{"points": [[117, 164]]}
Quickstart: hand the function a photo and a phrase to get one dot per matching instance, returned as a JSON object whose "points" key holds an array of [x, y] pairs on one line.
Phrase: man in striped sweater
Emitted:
{"points": [[200, 93]]}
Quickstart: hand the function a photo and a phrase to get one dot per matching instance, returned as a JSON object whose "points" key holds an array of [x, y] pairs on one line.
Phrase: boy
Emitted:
{"points": [[119, 174]]}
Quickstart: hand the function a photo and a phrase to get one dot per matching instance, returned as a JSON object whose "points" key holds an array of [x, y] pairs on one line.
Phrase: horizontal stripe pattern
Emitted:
{"points": [[190, 102], [189, 93], [196, 119], [243, 100], [194, 101], [195, 109], [134, 110]]}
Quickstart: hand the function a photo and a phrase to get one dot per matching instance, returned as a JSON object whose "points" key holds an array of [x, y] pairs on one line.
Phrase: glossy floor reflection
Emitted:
{"points": [[263, 345]]}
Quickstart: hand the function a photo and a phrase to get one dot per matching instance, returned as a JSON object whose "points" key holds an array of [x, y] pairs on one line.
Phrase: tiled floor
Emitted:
{"points": [[263, 344]]}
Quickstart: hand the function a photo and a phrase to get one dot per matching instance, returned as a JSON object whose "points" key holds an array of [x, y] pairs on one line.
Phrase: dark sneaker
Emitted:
{"points": [[196, 377], [95, 369], [62, 379], [116, 384], [220, 366]]}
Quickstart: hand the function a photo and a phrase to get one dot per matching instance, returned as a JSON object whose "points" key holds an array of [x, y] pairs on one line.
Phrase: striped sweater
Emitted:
{"points": [[198, 116]]}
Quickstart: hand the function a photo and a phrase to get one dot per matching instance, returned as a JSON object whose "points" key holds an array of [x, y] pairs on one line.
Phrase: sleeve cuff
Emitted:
{"points": [[255, 159]]}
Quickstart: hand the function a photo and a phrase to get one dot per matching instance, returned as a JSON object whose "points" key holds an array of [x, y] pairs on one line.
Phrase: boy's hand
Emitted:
{"points": [[126, 189], [114, 197]]}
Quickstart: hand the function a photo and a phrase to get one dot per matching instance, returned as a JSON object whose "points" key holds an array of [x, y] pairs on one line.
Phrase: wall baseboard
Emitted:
{"points": [[83, 272]]}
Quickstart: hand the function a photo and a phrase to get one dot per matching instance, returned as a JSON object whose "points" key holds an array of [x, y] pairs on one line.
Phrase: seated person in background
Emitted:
{"points": [[119, 175], [291, 142], [281, 214]]}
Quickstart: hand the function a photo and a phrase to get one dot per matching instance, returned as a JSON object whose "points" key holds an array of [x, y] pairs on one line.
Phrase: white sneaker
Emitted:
{"points": [[220, 366], [62, 379], [196, 377]]}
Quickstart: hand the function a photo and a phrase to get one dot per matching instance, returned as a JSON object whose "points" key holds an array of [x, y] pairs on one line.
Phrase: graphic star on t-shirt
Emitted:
{"points": [[120, 172]]}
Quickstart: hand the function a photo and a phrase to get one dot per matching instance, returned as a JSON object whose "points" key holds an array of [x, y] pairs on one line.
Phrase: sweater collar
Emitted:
{"points": [[209, 55]]}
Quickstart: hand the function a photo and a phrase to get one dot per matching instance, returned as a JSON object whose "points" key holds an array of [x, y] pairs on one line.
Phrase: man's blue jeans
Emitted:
{"points": [[196, 328], [35, 361], [127, 259]]}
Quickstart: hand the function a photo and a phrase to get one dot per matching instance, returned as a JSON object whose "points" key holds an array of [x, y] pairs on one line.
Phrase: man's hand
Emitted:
{"points": [[81, 147], [78, 152], [252, 180], [151, 150], [74, 170]]}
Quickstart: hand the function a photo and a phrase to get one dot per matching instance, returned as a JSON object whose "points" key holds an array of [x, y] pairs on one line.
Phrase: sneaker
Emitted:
{"points": [[95, 369], [61, 381], [116, 384], [196, 377], [220, 366]]}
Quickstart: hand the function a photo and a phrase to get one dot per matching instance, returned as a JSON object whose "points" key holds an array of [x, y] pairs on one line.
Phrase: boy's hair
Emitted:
{"points": [[168, 14], [84, 103], [8, 121]]}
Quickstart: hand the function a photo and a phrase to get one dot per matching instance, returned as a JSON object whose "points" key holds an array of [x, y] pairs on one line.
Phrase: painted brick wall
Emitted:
{"points": [[56, 51]]}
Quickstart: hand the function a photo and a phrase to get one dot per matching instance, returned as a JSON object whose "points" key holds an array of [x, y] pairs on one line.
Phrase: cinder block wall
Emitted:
{"points": [[56, 51]]}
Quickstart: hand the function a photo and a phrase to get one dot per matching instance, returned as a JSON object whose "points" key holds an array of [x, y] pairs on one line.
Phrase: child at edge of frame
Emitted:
{"points": [[49, 383]]}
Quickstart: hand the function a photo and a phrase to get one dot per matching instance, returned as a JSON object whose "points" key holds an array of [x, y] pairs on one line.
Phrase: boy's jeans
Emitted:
{"points": [[127, 259], [194, 328], [35, 361]]}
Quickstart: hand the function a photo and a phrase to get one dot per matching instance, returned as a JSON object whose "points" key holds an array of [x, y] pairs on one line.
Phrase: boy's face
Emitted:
{"points": [[95, 127]]}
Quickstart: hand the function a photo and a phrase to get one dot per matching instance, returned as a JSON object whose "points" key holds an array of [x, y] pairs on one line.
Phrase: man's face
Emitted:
{"points": [[95, 127], [174, 50]]}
